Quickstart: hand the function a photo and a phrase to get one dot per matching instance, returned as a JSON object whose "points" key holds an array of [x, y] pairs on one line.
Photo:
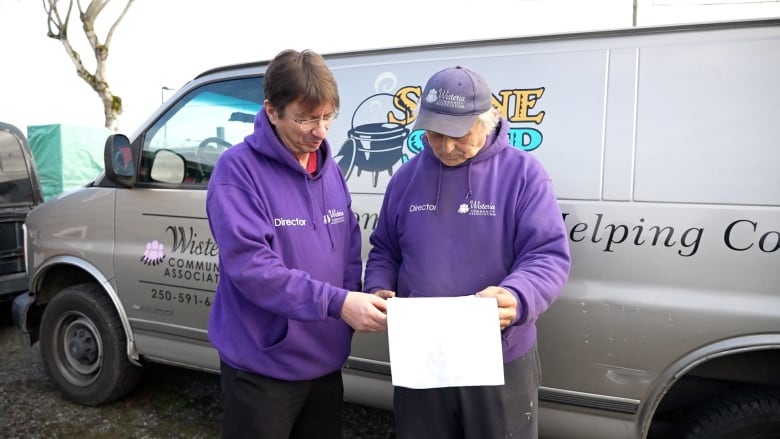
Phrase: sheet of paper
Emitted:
{"points": [[444, 342]]}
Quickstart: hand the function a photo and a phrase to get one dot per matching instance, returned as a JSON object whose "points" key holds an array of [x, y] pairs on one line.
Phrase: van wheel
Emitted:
{"points": [[752, 413], [84, 347]]}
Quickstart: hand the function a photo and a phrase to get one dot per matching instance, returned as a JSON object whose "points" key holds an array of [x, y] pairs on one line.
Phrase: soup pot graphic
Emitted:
{"points": [[373, 146]]}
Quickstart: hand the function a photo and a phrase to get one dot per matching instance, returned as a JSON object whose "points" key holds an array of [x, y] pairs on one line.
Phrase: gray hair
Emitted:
{"points": [[490, 118]]}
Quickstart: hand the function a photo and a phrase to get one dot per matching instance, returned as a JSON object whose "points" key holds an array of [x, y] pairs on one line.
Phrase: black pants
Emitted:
{"points": [[259, 407], [478, 412]]}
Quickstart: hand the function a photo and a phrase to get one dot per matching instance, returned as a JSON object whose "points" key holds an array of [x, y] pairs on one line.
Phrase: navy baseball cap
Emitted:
{"points": [[452, 100]]}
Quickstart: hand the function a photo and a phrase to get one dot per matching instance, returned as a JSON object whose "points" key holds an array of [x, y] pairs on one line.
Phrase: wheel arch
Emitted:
{"points": [[716, 361], [60, 272]]}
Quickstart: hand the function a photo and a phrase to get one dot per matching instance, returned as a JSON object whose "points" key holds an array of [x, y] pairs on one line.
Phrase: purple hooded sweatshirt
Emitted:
{"points": [[289, 249], [452, 231]]}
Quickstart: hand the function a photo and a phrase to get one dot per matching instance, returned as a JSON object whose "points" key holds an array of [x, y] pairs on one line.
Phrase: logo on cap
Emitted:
{"points": [[445, 98]]}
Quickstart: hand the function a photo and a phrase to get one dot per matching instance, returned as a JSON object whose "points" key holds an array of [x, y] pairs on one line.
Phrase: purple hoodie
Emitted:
{"points": [[289, 249], [452, 231]]}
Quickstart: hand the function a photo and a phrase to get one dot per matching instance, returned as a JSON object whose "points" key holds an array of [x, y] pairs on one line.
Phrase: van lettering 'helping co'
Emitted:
{"points": [[738, 235]]}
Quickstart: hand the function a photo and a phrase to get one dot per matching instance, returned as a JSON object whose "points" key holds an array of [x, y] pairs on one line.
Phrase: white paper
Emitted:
{"points": [[444, 342]]}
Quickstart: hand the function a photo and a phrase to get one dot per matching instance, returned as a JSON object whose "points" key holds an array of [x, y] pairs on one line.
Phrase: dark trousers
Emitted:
{"points": [[259, 407], [478, 412]]}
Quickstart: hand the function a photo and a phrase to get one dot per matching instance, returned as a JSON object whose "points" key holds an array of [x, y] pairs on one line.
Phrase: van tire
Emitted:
{"points": [[95, 369], [749, 413]]}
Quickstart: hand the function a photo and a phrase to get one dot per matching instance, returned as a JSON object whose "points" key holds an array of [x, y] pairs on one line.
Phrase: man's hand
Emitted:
{"points": [[384, 294], [365, 312], [507, 304]]}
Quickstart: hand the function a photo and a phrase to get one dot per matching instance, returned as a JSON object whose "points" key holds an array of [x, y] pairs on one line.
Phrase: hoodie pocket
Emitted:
{"points": [[275, 334]]}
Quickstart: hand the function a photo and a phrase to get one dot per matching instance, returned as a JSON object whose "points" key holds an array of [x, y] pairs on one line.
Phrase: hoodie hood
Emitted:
{"points": [[494, 144]]}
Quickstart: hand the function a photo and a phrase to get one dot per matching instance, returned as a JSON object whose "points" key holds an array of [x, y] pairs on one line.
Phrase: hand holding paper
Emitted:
{"points": [[507, 304]]}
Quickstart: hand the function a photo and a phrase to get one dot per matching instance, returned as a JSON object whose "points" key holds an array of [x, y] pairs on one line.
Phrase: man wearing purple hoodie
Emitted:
{"points": [[288, 296], [469, 215]]}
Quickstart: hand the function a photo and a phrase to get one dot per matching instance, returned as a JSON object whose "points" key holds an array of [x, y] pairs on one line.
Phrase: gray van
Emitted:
{"points": [[20, 192], [662, 144]]}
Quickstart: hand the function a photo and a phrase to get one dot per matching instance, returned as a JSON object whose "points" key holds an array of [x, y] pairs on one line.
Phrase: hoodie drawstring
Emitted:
{"points": [[314, 219], [311, 203], [438, 189], [327, 228], [468, 182]]}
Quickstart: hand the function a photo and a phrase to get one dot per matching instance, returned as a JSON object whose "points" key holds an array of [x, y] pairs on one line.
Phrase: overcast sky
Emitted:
{"points": [[164, 43]]}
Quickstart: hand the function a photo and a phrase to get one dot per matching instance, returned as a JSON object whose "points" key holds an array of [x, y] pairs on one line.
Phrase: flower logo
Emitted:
{"points": [[154, 253], [433, 96]]}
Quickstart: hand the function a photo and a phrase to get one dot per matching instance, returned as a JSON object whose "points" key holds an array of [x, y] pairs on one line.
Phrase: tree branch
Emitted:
{"points": [[116, 23], [60, 31]]}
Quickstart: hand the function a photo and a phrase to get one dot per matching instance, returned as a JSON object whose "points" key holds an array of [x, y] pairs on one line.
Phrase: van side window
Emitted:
{"points": [[201, 125]]}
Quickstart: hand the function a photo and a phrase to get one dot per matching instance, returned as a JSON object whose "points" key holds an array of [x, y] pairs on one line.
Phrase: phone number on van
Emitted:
{"points": [[186, 298]]}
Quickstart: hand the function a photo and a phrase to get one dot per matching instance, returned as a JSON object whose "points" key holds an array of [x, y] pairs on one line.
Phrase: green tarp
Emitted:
{"points": [[66, 156]]}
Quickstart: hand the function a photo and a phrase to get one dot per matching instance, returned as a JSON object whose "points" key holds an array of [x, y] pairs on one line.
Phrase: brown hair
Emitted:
{"points": [[300, 76]]}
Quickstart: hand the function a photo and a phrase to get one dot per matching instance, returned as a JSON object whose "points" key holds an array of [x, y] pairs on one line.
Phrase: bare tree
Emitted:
{"points": [[58, 29]]}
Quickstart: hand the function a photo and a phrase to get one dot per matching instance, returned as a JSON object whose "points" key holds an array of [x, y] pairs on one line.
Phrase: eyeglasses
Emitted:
{"points": [[310, 124]]}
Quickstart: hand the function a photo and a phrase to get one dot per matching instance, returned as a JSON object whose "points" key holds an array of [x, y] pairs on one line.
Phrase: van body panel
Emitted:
{"points": [[737, 111], [79, 224], [661, 143], [177, 262]]}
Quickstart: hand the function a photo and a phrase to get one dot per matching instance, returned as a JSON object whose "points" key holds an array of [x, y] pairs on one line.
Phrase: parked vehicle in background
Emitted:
{"points": [[662, 146], [20, 192]]}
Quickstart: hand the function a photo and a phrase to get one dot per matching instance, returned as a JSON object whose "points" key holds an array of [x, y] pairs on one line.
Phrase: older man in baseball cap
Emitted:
{"points": [[493, 229]]}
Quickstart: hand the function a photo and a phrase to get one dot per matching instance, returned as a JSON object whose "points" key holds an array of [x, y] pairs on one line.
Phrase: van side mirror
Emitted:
{"points": [[120, 158]]}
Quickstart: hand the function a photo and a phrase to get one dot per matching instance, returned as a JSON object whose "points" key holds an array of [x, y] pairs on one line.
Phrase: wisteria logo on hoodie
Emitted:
{"points": [[334, 216], [477, 208]]}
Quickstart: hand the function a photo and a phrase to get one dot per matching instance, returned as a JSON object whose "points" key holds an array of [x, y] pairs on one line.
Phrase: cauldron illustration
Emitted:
{"points": [[374, 146]]}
